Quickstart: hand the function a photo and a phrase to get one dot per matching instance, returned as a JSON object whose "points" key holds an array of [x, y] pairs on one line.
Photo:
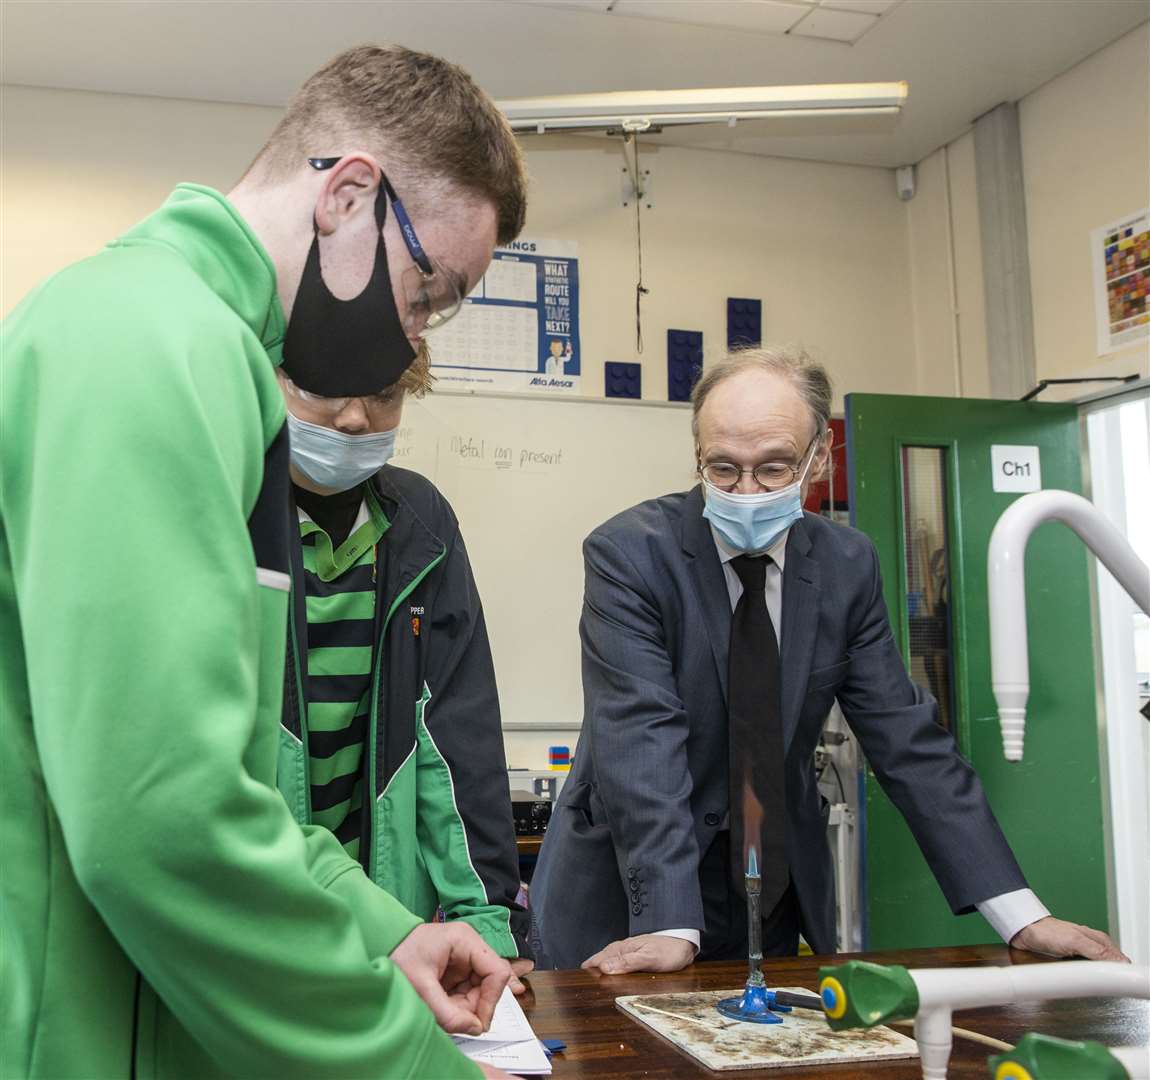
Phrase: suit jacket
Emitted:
{"points": [[649, 787]]}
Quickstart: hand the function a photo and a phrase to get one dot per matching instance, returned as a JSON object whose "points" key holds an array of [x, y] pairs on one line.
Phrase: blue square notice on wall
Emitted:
{"points": [[744, 322], [623, 380], [684, 363]]}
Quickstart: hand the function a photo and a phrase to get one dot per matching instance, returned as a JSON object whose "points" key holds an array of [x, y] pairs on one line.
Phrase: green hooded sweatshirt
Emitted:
{"points": [[161, 913]]}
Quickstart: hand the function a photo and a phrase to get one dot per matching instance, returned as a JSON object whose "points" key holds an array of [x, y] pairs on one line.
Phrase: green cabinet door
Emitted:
{"points": [[922, 489]]}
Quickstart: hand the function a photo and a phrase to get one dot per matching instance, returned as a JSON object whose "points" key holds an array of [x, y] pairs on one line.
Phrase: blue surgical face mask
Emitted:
{"points": [[752, 523], [333, 460]]}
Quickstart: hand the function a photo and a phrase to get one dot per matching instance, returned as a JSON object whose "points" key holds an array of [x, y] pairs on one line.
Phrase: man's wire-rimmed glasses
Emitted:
{"points": [[770, 475]]}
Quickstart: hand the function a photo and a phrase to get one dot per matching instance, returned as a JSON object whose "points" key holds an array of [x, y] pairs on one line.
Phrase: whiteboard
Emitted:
{"points": [[529, 478]]}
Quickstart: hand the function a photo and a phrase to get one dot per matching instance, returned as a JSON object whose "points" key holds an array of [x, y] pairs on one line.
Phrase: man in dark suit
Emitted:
{"points": [[719, 625]]}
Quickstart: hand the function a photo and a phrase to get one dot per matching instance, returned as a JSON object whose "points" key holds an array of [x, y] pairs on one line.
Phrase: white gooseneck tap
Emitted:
{"points": [[1007, 589]]}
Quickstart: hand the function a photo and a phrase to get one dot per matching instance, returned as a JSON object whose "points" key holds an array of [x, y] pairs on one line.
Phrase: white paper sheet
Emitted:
{"points": [[509, 1043]]}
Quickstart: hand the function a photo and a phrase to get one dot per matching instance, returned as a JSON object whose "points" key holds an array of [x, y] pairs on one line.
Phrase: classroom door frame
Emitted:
{"points": [[903, 907]]}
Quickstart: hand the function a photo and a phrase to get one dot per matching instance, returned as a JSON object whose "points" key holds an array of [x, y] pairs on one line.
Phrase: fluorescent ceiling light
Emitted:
{"points": [[643, 109]]}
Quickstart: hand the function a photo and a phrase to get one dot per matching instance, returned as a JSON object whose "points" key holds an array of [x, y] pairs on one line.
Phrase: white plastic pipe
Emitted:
{"points": [[974, 988], [934, 1037], [1006, 585], [942, 990]]}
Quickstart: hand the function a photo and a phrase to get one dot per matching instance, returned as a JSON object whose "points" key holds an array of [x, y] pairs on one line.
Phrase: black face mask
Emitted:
{"points": [[346, 348]]}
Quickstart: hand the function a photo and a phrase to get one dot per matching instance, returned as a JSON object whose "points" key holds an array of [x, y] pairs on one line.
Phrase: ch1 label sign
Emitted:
{"points": [[1015, 468]]}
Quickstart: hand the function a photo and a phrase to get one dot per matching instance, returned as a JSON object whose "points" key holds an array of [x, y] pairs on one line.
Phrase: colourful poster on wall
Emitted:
{"points": [[1121, 253], [518, 330]]}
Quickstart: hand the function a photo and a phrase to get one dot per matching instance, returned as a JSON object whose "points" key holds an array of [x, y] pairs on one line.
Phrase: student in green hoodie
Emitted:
{"points": [[163, 914]]}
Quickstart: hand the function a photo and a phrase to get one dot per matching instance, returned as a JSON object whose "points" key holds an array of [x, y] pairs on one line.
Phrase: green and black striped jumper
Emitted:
{"points": [[339, 534]]}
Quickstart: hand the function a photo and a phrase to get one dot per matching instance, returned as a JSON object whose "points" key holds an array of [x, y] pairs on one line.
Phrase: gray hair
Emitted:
{"points": [[792, 362]]}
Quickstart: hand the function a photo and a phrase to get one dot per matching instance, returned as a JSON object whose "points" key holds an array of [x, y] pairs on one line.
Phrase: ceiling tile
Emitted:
{"points": [[869, 7], [758, 16], [831, 25], [602, 6]]}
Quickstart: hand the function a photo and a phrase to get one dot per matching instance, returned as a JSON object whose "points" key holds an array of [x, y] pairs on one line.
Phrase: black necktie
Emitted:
{"points": [[755, 736]]}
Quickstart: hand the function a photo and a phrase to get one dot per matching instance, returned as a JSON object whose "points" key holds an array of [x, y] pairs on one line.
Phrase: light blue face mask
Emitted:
{"points": [[335, 461], [752, 523]]}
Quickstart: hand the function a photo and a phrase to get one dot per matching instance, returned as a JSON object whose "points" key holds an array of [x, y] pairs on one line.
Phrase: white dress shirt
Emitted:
{"points": [[1008, 912]]}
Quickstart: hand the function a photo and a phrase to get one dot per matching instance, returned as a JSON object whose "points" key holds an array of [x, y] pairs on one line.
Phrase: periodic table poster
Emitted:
{"points": [[1121, 254], [518, 330]]}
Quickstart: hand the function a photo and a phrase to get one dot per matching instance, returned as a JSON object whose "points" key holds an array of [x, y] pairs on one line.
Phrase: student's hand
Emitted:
{"points": [[493, 1073], [1054, 937], [645, 952], [520, 967], [456, 973]]}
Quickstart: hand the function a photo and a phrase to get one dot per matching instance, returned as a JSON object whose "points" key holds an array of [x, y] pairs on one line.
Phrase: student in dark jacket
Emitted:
{"points": [[391, 709]]}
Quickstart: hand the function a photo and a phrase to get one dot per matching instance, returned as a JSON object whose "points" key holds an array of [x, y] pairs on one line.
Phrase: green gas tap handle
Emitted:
{"points": [[1043, 1057], [861, 994]]}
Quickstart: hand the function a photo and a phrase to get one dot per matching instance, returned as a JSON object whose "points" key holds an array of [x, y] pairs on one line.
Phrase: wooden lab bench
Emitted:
{"points": [[603, 1042]]}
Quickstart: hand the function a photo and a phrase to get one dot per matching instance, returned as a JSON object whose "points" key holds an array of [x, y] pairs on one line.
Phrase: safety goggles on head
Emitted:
{"points": [[316, 405], [433, 293]]}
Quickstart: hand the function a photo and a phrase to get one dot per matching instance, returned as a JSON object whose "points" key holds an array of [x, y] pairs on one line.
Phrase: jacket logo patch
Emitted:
{"points": [[416, 618]]}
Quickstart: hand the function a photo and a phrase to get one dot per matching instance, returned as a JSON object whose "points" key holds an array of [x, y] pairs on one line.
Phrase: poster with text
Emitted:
{"points": [[1121, 254], [518, 330]]}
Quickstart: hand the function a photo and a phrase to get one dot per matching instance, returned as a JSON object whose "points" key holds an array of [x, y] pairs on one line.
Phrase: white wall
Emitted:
{"points": [[929, 258], [968, 267], [79, 169], [824, 246], [1086, 162], [945, 257], [888, 294]]}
